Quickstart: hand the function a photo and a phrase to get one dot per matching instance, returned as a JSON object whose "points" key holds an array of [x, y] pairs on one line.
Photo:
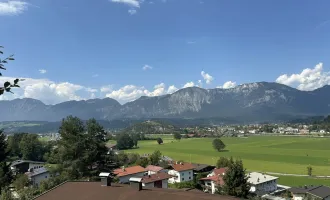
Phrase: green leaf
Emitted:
{"points": [[16, 81], [1, 91], [6, 84], [4, 61], [1, 52], [11, 59], [1, 46], [2, 67], [0, 74], [8, 90]]}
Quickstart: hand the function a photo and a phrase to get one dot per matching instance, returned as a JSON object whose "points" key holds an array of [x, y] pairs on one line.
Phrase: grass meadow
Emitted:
{"points": [[259, 153]]}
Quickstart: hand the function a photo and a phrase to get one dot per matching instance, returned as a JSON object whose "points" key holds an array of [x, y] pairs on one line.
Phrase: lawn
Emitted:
{"points": [[259, 153], [301, 181]]}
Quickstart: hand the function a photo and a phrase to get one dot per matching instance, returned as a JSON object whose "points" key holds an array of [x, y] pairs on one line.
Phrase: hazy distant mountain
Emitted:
{"points": [[258, 102]]}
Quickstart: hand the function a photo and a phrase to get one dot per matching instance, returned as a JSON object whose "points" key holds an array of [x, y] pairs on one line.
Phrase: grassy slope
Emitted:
{"points": [[274, 154]]}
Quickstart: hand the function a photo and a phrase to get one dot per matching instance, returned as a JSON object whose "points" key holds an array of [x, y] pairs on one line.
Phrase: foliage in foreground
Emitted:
{"points": [[5, 172], [7, 86]]}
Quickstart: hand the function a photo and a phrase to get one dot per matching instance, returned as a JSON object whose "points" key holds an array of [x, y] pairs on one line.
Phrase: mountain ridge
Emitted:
{"points": [[254, 101]]}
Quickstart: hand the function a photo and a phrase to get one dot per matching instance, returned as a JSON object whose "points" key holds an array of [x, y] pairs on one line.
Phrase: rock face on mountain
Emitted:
{"points": [[257, 102]]}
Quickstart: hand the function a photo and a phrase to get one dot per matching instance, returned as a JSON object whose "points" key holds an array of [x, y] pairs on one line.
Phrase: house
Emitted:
{"points": [[181, 172], [201, 168], [261, 183], [98, 191], [124, 174], [158, 180], [314, 192], [22, 166], [152, 169], [37, 175], [322, 131], [214, 179]]}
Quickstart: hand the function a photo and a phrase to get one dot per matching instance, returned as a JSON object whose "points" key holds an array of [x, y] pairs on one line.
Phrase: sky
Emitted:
{"points": [[123, 49]]}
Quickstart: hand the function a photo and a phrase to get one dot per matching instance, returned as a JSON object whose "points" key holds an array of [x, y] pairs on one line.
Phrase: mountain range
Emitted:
{"points": [[252, 102]]}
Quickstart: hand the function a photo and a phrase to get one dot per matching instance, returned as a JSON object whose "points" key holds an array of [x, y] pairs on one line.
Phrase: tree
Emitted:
{"points": [[124, 141], [236, 180], [71, 146], [5, 172], [7, 86], [155, 157], [218, 144], [6, 195], [159, 140], [222, 162], [13, 144], [309, 170], [142, 161], [31, 147], [177, 136], [21, 181]]}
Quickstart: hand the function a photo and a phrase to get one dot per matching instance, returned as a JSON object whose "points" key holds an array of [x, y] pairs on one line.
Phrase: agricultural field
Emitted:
{"points": [[289, 155]]}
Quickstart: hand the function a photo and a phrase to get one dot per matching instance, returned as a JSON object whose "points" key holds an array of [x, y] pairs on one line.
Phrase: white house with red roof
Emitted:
{"points": [[213, 180], [152, 169], [181, 172], [124, 174]]}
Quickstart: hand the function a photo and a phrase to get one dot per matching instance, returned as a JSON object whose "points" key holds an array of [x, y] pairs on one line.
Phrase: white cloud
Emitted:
{"points": [[133, 3], [12, 7], [207, 77], [308, 79], [172, 89], [189, 84], [146, 67], [47, 91], [227, 85], [95, 75], [132, 11], [132, 92], [42, 71], [107, 88]]}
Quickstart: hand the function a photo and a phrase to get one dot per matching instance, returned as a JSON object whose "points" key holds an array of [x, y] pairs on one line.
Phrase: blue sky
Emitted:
{"points": [[89, 45]]}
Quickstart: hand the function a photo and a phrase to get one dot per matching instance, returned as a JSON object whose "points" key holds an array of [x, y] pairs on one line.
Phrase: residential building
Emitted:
{"points": [[124, 174], [213, 180], [37, 175], [158, 180], [22, 166], [152, 169], [261, 183], [94, 191], [181, 172], [313, 192], [201, 168]]}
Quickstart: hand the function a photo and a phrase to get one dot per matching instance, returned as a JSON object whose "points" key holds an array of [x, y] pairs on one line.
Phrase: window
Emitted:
{"points": [[45, 176], [189, 177], [189, 172], [182, 179], [182, 174]]}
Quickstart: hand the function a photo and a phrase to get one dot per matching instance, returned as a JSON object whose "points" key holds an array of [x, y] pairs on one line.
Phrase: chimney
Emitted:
{"points": [[123, 168], [135, 183], [105, 179]]}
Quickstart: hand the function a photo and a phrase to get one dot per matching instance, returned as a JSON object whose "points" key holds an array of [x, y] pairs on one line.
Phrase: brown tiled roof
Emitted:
{"points": [[153, 168], [156, 177], [94, 191], [220, 171], [129, 171], [183, 167]]}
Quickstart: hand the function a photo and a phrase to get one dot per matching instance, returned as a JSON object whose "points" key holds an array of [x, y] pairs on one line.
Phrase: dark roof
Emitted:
{"points": [[36, 172], [302, 190], [18, 162], [199, 167], [321, 191], [155, 177], [94, 190]]}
